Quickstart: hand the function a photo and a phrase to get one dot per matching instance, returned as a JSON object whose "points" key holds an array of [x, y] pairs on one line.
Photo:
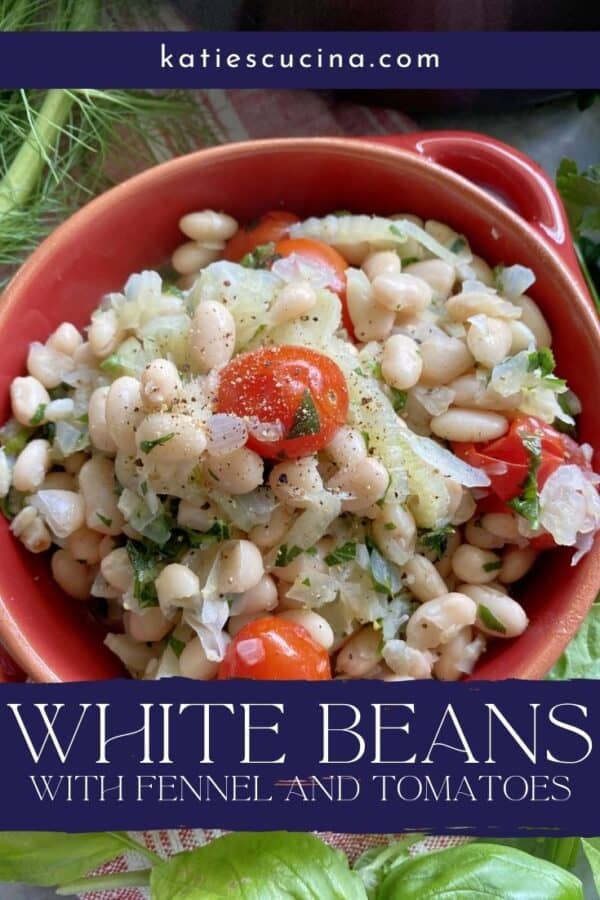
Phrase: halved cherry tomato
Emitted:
{"points": [[322, 254], [270, 228], [275, 649], [302, 390]]}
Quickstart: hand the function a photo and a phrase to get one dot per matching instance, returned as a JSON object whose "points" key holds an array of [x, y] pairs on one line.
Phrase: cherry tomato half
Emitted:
{"points": [[322, 254], [270, 228], [301, 389], [275, 649]]}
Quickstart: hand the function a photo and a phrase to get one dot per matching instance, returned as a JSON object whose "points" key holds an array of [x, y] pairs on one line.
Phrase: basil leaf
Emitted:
{"points": [[479, 871], [49, 858], [489, 619], [527, 504], [306, 418], [375, 864], [581, 659], [275, 865], [344, 553], [147, 446]]}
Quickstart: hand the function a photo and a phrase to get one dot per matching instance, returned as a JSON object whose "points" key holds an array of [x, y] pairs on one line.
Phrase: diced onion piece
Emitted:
{"points": [[225, 433]]}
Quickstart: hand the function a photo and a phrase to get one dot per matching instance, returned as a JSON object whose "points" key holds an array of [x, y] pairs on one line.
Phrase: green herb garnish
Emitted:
{"points": [[489, 619], [398, 398], [306, 418], [492, 566], [457, 245], [16, 441], [285, 557], [343, 553], [527, 504], [261, 257], [580, 192], [397, 231], [306, 582], [104, 519], [176, 645], [38, 416], [435, 540], [147, 446], [408, 260]]}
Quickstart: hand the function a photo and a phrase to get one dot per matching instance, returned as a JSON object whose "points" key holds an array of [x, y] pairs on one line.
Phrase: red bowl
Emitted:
{"points": [[134, 226]]}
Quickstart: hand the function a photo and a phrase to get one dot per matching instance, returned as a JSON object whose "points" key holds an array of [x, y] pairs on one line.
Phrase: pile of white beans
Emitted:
{"points": [[72, 506]]}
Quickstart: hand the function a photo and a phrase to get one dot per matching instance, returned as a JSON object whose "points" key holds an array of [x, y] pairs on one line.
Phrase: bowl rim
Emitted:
{"points": [[350, 147]]}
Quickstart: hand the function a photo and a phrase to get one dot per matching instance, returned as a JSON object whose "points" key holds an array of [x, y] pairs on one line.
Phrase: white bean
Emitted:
{"points": [[65, 339], [240, 568], [482, 270], [200, 518], [347, 447], [107, 545], [403, 294], [97, 484], [176, 585], [166, 438], [318, 628], [515, 564], [160, 384], [36, 537], [59, 481], [23, 520], [27, 395], [31, 466], [533, 318], [47, 365], [381, 262], [438, 621], [84, 357], [212, 336], [395, 533], [481, 537], [271, 533], [450, 664], [444, 359], [489, 340], [406, 661], [63, 511], [471, 391], [72, 576], [424, 581], [294, 300], [367, 481], [84, 545], [296, 482], [104, 333], [439, 275], [493, 605], [462, 505], [461, 307], [208, 225], [502, 524], [441, 232], [401, 363], [99, 433], [469, 425], [523, 337], [190, 257], [262, 597], [235, 473], [194, 663], [116, 568], [147, 627], [474, 565], [124, 412], [360, 653], [370, 320]]}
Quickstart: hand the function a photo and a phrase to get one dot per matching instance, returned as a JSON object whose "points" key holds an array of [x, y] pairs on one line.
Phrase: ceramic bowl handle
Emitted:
{"points": [[504, 171]]}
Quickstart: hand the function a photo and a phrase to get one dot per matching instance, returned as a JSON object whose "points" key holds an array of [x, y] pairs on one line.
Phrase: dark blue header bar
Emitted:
{"points": [[354, 60], [479, 758]]}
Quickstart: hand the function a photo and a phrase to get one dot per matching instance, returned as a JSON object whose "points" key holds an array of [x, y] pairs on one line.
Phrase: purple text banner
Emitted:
{"points": [[337, 60], [477, 758]]}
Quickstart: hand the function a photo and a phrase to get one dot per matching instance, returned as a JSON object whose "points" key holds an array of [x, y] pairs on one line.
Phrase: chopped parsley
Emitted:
{"points": [[285, 556], [376, 370], [176, 645], [259, 258], [542, 362], [16, 442], [389, 526], [306, 582], [146, 567], [306, 418], [111, 364], [218, 531], [489, 619], [457, 245], [492, 566], [385, 580], [435, 540], [344, 553], [527, 504], [409, 260], [172, 289], [38, 416], [397, 231], [398, 398], [106, 520], [147, 446]]}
